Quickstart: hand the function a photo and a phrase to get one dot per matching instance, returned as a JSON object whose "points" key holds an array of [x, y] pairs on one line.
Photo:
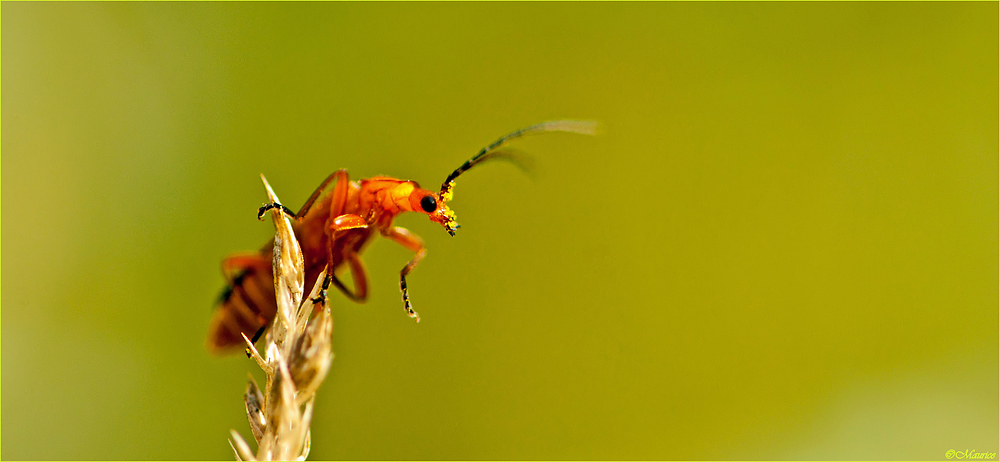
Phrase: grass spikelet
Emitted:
{"points": [[297, 357]]}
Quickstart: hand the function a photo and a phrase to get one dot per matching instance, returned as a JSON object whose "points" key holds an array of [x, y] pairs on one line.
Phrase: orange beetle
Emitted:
{"points": [[334, 230]]}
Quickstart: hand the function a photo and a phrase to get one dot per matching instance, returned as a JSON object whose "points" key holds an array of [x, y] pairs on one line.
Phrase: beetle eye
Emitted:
{"points": [[428, 204]]}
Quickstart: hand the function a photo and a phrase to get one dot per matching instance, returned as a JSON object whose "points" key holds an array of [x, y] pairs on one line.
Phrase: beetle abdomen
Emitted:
{"points": [[246, 306]]}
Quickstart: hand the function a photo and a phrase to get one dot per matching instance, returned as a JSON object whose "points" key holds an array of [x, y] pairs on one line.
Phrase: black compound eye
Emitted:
{"points": [[428, 204]]}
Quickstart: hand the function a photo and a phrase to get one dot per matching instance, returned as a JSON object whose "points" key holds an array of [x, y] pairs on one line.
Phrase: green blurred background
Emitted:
{"points": [[783, 245]]}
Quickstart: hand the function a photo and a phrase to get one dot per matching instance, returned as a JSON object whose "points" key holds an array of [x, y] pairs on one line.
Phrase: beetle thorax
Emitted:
{"points": [[380, 199]]}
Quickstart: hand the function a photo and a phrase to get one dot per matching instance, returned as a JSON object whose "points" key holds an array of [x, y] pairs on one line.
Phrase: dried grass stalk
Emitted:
{"points": [[297, 358]]}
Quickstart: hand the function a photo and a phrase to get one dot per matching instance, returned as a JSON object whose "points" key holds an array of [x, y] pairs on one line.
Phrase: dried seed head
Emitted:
{"points": [[254, 401], [298, 354], [311, 356]]}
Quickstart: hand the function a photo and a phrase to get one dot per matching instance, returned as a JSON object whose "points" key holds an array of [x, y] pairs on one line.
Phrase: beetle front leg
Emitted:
{"points": [[413, 242]]}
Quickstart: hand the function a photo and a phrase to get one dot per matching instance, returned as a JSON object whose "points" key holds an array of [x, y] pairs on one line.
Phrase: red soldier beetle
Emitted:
{"points": [[334, 229]]}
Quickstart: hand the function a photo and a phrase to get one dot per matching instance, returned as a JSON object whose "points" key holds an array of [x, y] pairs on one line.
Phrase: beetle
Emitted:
{"points": [[333, 230]]}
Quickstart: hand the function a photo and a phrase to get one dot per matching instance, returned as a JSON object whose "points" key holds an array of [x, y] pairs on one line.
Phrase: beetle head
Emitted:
{"points": [[431, 204]]}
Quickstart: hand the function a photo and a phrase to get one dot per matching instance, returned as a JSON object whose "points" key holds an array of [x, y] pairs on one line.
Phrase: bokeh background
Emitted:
{"points": [[783, 245]]}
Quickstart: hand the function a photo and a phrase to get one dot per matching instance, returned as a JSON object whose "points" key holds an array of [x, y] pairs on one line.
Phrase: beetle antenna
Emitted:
{"points": [[572, 126]]}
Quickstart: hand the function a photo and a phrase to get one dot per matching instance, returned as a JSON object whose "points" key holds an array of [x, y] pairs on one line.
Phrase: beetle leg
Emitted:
{"points": [[413, 242], [340, 192], [343, 182], [359, 275], [341, 225], [342, 179], [342, 222], [274, 205]]}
